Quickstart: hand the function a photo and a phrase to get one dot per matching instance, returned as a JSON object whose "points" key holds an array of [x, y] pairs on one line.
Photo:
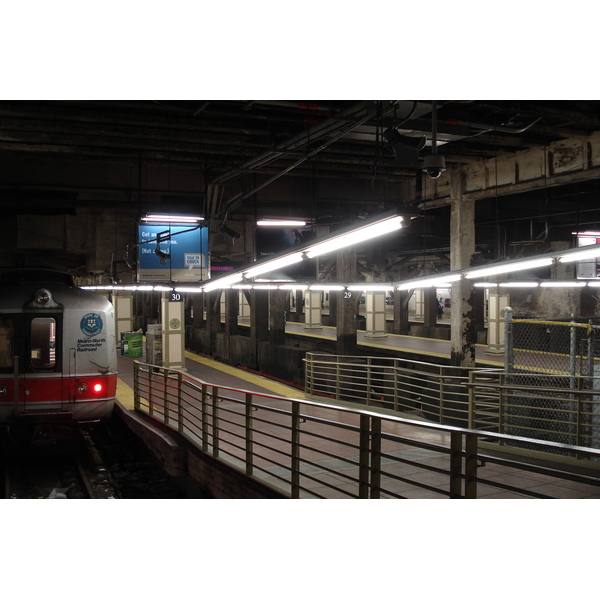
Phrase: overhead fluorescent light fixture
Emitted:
{"points": [[356, 236], [369, 230], [172, 219], [437, 282], [583, 253], [326, 287], [223, 282], [519, 284], [562, 284], [370, 287], [273, 265], [510, 267], [281, 223]]}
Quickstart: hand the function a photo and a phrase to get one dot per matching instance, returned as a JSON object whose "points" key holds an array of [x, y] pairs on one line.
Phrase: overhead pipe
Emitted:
{"points": [[314, 133], [237, 200]]}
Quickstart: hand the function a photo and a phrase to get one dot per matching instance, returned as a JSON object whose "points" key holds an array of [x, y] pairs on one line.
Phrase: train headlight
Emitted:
{"points": [[43, 296], [83, 388], [3, 391]]}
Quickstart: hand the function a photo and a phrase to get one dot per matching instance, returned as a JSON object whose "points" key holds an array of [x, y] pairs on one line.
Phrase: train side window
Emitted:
{"points": [[7, 336], [43, 343]]}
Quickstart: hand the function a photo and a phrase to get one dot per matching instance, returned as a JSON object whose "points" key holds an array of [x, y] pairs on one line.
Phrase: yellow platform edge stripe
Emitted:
{"points": [[268, 384]]}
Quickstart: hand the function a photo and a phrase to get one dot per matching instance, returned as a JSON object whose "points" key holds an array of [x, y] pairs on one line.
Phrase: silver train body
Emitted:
{"points": [[58, 358]]}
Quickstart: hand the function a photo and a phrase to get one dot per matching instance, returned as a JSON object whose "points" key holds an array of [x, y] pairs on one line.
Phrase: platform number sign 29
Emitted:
{"points": [[347, 295], [175, 296]]}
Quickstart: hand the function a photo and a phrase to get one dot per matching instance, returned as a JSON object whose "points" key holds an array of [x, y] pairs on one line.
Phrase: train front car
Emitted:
{"points": [[58, 359]]}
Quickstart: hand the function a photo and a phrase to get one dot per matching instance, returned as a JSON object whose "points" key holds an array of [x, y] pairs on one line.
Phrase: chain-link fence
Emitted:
{"points": [[553, 381]]}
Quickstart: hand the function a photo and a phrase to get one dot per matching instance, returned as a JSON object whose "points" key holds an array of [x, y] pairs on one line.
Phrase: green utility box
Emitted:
{"points": [[131, 344]]}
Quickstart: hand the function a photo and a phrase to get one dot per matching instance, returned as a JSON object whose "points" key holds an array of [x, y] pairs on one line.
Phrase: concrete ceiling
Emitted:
{"points": [[530, 165]]}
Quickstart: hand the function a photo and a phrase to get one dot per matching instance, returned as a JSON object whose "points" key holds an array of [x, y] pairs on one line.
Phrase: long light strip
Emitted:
{"points": [[519, 284], [439, 281], [509, 267], [273, 265], [581, 254], [361, 234], [562, 284], [171, 219], [280, 223]]}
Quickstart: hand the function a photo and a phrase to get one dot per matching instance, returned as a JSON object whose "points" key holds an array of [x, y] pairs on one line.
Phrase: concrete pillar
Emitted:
{"points": [[496, 305], [401, 324], [347, 308], [312, 310], [429, 307], [231, 311], [212, 306], [462, 247], [277, 308], [299, 297], [259, 315], [173, 320], [375, 326], [123, 305]]}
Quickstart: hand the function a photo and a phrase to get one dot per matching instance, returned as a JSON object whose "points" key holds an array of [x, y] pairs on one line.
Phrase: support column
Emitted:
{"points": [[212, 306], [429, 307], [312, 310], [401, 324], [277, 308], [259, 315], [231, 312], [123, 306], [462, 247], [347, 308], [375, 315], [496, 305], [173, 319]]}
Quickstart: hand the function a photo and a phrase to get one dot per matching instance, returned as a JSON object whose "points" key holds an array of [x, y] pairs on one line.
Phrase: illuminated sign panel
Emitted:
{"points": [[182, 253]]}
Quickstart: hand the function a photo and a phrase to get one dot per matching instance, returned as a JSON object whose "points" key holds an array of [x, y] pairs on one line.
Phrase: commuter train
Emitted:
{"points": [[58, 357]]}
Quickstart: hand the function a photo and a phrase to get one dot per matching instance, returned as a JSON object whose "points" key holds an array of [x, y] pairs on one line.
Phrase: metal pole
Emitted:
{"points": [[363, 468], [295, 450], [508, 340], [249, 438]]}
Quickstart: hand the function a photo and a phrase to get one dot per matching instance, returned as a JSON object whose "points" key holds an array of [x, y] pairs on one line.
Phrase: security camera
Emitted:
{"points": [[434, 165]]}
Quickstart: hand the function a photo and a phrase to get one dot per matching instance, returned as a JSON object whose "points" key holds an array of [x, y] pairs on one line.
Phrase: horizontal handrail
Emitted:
{"points": [[311, 448]]}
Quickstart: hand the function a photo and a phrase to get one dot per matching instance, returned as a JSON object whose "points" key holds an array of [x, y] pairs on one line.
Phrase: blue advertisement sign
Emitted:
{"points": [[177, 253]]}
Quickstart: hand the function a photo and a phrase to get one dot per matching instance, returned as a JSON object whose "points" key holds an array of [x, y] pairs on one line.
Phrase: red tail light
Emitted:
{"points": [[97, 387]]}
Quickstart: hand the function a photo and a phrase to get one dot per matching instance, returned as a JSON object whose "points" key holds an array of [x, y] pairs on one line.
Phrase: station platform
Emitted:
{"points": [[220, 374], [420, 347], [210, 370]]}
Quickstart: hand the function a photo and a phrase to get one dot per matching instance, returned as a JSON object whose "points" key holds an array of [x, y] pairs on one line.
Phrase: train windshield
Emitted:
{"points": [[7, 336], [43, 343]]}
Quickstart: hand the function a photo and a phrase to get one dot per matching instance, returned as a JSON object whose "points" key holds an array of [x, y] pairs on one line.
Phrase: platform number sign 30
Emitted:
{"points": [[175, 296]]}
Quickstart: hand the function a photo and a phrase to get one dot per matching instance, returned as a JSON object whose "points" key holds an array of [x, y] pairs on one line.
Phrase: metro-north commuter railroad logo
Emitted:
{"points": [[91, 324]]}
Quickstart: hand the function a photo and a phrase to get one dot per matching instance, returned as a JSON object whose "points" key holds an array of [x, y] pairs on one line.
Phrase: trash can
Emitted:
{"points": [[131, 344]]}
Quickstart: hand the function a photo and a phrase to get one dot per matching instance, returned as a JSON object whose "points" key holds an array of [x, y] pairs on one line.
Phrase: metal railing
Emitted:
{"points": [[310, 449], [437, 392], [559, 408], [548, 407]]}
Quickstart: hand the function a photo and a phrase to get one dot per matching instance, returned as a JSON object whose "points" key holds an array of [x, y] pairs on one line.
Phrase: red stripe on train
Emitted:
{"points": [[60, 389]]}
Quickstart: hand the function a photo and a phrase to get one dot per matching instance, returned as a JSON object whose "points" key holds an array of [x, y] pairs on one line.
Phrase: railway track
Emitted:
{"points": [[110, 462], [74, 475]]}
